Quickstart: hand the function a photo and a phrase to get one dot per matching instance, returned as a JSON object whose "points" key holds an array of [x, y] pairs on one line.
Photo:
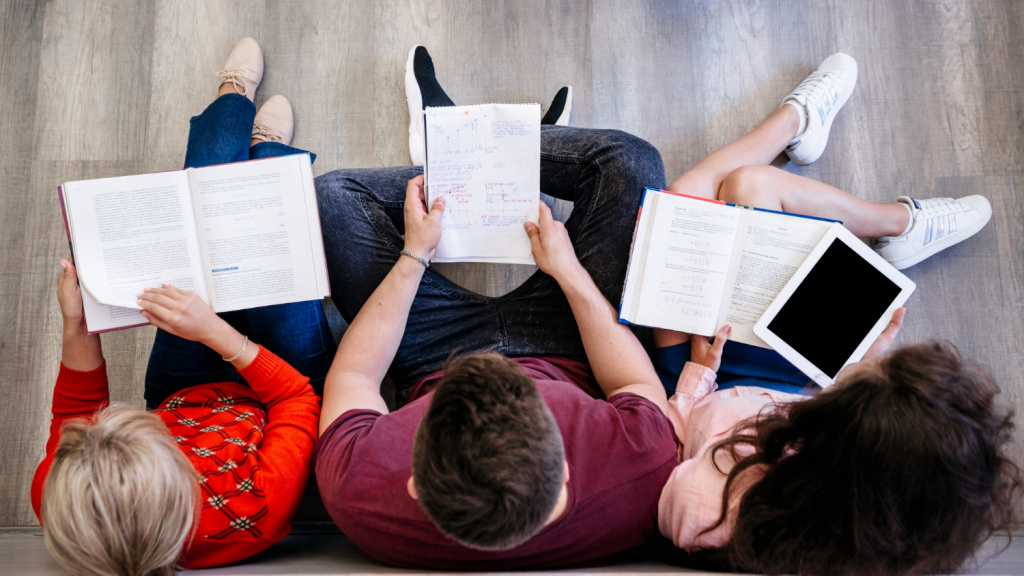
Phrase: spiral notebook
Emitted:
{"points": [[485, 161]]}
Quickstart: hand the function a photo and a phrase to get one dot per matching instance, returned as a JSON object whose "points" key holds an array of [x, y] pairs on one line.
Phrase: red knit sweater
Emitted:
{"points": [[251, 446]]}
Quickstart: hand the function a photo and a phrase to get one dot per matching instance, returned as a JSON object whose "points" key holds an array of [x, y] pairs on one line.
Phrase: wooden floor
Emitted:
{"points": [[93, 88]]}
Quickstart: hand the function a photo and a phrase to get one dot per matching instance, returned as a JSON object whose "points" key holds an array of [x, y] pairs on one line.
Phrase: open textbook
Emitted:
{"points": [[485, 161], [239, 235], [698, 264]]}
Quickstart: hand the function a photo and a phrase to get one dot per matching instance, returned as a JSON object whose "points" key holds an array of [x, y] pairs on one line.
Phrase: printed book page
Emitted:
{"points": [[133, 232], [255, 233], [258, 244], [769, 249], [485, 161], [103, 318], [687, 263]]}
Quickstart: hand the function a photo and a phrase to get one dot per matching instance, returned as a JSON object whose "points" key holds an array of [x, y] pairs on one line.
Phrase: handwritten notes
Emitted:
{"points": [[485, 161]]}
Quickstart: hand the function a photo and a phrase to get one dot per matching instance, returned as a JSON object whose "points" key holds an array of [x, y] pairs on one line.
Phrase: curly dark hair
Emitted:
{"points": [[488, 458], [899, 470]]}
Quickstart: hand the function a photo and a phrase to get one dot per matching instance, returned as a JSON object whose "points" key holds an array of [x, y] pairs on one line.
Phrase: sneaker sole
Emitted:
{"points": [[939, 246], [414, 99]]}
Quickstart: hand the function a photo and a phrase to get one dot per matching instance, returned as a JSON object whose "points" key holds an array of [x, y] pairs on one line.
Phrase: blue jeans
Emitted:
{"points": [[298, 332], [603, 172]]}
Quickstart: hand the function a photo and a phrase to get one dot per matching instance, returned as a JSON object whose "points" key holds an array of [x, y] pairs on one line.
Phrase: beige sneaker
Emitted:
{"points": [[244, 67], [274, 121]]}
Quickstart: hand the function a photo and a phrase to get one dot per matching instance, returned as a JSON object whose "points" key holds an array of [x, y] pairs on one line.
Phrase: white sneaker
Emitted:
{"points": [[417, 138], [937, 224], [421, 90], [821, 96]]}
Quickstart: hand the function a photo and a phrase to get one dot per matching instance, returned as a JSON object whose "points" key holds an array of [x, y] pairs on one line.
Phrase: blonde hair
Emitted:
{"points": [[121, 498]]}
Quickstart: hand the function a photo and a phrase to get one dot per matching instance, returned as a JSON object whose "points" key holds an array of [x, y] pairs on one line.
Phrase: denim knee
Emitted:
{"points": [[636, 158]]}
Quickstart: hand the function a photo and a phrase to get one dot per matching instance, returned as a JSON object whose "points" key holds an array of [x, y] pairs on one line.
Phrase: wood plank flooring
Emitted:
{"points": [[93, 88]]}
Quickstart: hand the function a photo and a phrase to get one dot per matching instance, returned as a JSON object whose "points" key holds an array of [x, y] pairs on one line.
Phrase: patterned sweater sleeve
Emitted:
{"points": [[293, 414], [76, 395]]}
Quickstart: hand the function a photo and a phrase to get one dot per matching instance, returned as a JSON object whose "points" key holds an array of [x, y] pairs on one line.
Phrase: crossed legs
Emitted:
{"points": [[739, 173]]}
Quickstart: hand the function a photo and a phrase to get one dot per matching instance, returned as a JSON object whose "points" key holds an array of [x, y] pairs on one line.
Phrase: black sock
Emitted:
{"points": [[557, 105], [430, 90]]}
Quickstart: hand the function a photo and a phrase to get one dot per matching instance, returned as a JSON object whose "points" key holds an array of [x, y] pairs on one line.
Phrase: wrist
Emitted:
{"points": [[420, 251], [410, 266], [224, 340], [75, 327], [425, 261], [571, 276]]}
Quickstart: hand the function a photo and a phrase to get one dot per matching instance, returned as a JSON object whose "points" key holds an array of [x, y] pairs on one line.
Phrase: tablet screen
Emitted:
{"points": [[834, 308]]}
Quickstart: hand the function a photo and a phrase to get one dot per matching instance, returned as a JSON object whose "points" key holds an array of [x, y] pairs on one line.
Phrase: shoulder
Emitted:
{"points": [[361, 445], [632, 436], [626, 412], [721, 411]]}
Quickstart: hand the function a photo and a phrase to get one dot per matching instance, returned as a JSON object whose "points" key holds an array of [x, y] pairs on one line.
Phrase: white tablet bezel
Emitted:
{"points": [[836, 233]]}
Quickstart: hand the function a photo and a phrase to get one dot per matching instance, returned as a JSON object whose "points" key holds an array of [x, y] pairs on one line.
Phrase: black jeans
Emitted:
{"points": [[603, 172]]}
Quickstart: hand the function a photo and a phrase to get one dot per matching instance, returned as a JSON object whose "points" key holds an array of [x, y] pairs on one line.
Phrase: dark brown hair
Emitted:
{"points": [[900, 470], [487, 460]]}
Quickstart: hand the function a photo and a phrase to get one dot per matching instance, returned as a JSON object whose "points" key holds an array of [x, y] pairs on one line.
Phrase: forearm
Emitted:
{"points": [[230, 343], [372, 340], [80, 350], [614, 353], [370, 344]]}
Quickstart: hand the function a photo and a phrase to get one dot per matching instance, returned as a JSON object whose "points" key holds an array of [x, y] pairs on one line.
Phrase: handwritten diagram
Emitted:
{"points": [[459, 139], [485, 161]]}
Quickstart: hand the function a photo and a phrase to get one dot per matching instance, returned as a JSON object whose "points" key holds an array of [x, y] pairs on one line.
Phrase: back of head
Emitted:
{"points": [[120, 497], [899, 469], [488, 458]]}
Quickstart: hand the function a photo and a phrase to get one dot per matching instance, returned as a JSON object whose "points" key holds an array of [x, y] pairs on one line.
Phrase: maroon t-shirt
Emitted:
{"points": [[620, 454]]}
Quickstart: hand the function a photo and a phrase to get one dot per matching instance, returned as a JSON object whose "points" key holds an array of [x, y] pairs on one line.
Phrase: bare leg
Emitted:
{"points": [[774, 189], [666, 338], [739, 172], [759, 147], [229, 88]]}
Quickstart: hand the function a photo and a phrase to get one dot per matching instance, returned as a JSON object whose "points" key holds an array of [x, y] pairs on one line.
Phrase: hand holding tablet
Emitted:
{"points": [[834, 307]]}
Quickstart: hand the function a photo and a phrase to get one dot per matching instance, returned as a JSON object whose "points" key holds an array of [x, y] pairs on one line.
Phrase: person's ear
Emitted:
{"points": [[565, 465], [411, 487]]}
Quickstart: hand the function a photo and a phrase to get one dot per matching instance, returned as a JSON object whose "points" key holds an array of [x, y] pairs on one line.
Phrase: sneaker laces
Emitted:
{"points": [[236, 77], [819, 90], [261, 132], [939, 215], [939, 206]]}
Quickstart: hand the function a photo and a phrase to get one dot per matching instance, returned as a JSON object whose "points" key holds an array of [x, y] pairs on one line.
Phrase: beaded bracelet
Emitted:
{"points": [[416, 257]]}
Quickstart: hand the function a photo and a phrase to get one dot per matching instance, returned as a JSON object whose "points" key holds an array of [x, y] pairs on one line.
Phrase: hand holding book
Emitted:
{"points": [[184, 314], [706, 352], [80, 350], [551, 247], [422, 229]]}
